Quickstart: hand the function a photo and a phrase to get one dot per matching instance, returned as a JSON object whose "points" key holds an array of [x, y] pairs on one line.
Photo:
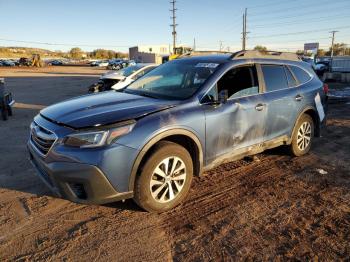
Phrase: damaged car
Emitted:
{"points": [[118, 80], [6, 101], [179, 120]]}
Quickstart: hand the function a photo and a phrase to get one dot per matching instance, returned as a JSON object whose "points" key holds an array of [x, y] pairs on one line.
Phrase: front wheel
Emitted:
{"points": [[165, 178], [302, 136]]}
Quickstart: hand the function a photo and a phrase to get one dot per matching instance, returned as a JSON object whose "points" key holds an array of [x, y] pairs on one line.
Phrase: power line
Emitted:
{"points": [[269, 4], [299, 7], [300, 32], [297, 15], [59, 44], [293, 22]]}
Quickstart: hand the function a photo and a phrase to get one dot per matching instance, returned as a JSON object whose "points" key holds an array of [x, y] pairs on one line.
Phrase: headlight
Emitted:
{"points": [[97, 138]]}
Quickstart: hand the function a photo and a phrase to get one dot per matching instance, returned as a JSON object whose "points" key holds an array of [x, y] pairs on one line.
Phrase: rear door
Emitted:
{"points": [[281, 99]]}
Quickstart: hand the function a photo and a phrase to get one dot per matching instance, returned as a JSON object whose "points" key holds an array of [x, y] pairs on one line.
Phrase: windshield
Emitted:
{"points": [[173, 80], [128, 70]]}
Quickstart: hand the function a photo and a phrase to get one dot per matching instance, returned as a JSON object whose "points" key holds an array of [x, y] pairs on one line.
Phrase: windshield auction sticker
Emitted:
{"points": [[208, 65]]}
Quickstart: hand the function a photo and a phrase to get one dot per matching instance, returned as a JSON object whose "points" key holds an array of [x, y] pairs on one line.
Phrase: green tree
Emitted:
{"points": [[76, 53], [260, 48], [321, 52]]}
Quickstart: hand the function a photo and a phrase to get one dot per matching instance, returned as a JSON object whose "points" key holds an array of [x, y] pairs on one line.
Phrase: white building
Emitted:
{"points": [[149, 53]]}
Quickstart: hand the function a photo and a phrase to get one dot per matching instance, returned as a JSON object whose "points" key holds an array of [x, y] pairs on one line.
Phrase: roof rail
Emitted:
{"points": [[265, 54], [199, 53]]}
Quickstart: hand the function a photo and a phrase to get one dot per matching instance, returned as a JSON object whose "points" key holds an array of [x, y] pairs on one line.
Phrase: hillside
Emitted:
{"points": [[17, 52]]}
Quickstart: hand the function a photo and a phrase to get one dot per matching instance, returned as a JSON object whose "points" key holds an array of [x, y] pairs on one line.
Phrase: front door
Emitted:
{"points": [[240, 121]]}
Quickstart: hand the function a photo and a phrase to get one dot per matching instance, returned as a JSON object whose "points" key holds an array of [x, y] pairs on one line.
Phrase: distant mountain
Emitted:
{"points": [[17, 52]]}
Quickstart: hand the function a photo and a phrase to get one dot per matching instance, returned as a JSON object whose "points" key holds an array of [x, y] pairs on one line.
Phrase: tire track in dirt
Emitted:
{"points": [[262, 195]]}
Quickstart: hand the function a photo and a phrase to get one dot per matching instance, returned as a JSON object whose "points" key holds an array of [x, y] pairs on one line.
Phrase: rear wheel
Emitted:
{"points": [[165, 178], [302, 136]]}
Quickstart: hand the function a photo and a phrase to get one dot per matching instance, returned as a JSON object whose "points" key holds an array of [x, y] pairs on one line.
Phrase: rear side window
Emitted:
{"points": [[291, 80], [275, 77], [300, 74]]}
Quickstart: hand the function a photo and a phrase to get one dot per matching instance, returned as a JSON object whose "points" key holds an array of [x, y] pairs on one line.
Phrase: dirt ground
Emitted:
{"points": [[271, 207]]}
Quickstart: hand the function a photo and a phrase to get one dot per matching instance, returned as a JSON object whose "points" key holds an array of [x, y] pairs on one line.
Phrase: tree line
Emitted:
{"points": [[77, 53]]}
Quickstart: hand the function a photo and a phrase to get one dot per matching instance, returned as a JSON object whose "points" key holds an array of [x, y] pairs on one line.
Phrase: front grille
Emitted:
{"points": [[42, 138]]}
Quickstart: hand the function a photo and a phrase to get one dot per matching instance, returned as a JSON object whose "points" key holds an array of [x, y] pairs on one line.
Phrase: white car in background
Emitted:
{"points": [[130, 74], [103, 63], [118, 80]]}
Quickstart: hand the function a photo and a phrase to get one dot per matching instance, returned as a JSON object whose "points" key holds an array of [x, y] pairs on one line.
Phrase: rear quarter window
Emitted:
{"points": [[300, 74], [291, 80]]}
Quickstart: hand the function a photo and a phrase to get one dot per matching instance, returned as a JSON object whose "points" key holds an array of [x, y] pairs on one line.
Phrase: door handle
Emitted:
{"points": [[259, 107], [299, 97]]}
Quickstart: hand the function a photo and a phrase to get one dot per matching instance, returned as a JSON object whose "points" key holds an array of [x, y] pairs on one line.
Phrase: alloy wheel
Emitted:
{"points": [[304, 136], [168, 179]]}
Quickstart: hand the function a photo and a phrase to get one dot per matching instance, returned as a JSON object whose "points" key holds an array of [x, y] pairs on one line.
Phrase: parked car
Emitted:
{"points": [[56, 63], [310, 61], [119, 64], [94, 63], [23, 61], [322, 67], [118, 80], [116, 64], [182, 118], [103, 63], [6, 101], [7, 63]]}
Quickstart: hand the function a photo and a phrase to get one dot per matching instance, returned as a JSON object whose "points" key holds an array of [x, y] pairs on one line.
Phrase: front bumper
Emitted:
{"points": [[77, 182]]}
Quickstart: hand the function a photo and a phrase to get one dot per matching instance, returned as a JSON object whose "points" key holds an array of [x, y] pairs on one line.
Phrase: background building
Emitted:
{"points": [[149, 53]]}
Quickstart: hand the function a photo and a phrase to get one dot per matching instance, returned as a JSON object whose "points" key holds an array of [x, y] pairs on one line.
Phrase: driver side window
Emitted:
{"points": [[240, 81]]}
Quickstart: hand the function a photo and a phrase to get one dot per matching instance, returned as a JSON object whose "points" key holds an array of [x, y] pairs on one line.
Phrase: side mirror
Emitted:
{"points": [[223, 96]]}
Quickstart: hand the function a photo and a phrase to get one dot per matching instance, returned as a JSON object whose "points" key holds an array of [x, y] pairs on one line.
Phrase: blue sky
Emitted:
{"points": [[117, 25]]}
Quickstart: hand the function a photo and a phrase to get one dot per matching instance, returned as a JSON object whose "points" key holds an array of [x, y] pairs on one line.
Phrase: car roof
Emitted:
{"points": [[218, 58]]}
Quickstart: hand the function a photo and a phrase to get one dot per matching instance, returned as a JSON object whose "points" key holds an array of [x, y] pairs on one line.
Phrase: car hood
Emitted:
{"points": [[103, 109], [112, 75]]}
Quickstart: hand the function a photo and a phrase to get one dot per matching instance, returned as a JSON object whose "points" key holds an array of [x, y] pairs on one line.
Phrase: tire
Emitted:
{"points": [[302, 136], [10, 112], [4, 112], [157, 197]]}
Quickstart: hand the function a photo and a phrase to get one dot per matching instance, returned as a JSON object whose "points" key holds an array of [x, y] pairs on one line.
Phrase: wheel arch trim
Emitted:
{"points": [[302, 112], [155, 139]]}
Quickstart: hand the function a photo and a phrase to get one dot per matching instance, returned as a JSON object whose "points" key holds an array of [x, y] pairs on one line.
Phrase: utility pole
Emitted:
{"points": [[244, 32], [332, 47], [173, 25], [194, 44], [220, 45]]}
